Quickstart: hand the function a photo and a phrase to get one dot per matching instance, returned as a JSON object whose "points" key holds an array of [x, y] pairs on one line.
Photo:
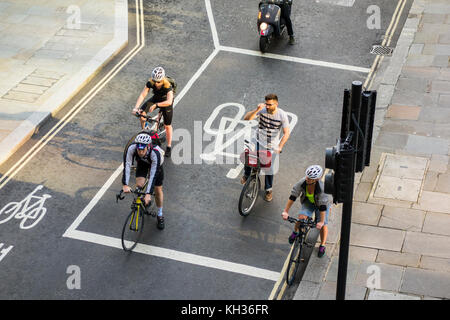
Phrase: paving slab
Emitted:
{"points": [[433, 263], [366, 213], [402, 218], [437, 223], [439, 163], [360, 253], [403, 112], [421, 72], [398, 188], [443, 183], [390, 276], [307, 290], [376, 237], [362, 191], [352, 292], [398, 258], [427, 244], [428, 201], [427, 145], [430, 181], [426, 282], [404, 166], [388, 295], [352, 270]]}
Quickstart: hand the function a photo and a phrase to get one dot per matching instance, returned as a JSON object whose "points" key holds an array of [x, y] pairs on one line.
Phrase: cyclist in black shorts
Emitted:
{"points": [[162, 98], [149, 163]]}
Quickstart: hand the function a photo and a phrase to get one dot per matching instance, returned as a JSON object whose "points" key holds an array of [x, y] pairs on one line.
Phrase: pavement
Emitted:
{"points": [[400, 233], [39, 74]]}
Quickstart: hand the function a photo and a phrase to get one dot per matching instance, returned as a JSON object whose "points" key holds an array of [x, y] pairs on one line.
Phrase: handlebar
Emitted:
{"points": [[146, 117], [304, 222], [137, 191]]}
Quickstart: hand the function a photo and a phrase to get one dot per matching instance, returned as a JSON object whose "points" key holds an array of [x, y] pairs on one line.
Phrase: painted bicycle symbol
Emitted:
{"points": [[227, 136], [29, 214]]}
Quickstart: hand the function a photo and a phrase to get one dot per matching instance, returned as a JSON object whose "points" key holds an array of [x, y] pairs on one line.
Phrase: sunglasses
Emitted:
{"points": [[270, 104]]}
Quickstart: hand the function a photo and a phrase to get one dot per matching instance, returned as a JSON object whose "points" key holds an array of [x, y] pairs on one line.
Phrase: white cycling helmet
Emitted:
{"points": [[158, 74], [142, 140], [314, 172]]}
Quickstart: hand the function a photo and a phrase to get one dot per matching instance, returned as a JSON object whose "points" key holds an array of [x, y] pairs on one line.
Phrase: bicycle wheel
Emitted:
{"points": [[132, 230], [294, 261], [249, 194], [161, 131]]}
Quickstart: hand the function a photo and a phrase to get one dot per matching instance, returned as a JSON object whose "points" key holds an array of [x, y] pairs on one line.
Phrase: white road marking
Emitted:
{"points": [[295, 59], [179, 256], [343, 3], [212, 24]]}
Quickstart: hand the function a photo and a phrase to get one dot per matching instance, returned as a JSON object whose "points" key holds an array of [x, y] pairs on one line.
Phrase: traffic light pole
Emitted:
{"points": [[349, 149], [345, 231], [351, 154]]}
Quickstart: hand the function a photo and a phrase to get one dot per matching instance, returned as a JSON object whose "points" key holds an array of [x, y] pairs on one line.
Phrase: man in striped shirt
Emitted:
{"points": [[272, 120]]}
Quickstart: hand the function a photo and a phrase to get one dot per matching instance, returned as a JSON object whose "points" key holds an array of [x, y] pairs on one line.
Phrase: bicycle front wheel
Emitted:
{"points": [[294, 261], [249, 194], [132, 230]]}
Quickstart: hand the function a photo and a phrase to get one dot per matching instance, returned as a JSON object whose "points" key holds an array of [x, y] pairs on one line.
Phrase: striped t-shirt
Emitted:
{"points": [[269, 127]]}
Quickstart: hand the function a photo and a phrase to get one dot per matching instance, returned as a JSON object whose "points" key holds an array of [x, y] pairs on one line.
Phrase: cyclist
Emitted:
{"points": [[313, 199], [149, 163], [162, 98], [271, 120]]}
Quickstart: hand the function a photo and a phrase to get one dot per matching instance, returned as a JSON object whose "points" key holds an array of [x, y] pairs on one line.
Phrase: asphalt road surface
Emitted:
{"points": [[207, 250]]}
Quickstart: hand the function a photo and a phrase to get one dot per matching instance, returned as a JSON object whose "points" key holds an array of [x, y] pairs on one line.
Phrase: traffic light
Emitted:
{"points": [[366, 121], [340, 159]]}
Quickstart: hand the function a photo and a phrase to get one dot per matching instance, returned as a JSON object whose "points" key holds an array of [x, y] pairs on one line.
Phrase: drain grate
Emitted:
{"points": [[381, 50]]}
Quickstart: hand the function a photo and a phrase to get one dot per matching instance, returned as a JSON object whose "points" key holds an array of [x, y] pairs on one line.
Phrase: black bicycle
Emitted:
{"points": [[249, 194], [299, 243], [134, 224]]}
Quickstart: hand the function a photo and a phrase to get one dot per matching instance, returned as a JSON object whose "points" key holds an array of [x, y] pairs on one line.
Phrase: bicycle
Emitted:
{"points": [[154, 126], [256, 160], [299, 242], [134, 223]]}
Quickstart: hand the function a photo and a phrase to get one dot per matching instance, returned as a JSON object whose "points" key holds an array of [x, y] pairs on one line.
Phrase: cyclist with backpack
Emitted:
{"points": [[149, 159], [163, 96]]}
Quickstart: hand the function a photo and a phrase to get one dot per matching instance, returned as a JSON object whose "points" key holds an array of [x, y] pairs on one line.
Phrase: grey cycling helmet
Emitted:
{"points": [[158, 74], [314, 172], [142, 140]]}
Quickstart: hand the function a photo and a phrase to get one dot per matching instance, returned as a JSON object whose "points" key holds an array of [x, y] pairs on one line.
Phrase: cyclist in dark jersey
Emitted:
{"points": [[149, 160], [162, 98]]}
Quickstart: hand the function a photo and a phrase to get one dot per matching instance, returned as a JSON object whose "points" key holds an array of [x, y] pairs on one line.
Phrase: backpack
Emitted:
{"points": [[173, 83]]}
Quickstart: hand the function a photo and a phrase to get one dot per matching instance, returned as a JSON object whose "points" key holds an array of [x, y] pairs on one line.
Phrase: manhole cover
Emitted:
{"points": [[381, 50]]}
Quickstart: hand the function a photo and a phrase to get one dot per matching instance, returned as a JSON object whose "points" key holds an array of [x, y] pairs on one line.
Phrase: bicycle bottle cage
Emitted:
{"points": [[250, 158]]}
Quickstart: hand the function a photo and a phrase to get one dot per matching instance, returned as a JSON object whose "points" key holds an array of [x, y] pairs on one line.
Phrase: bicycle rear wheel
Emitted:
{"points": [[132, 230], [249, 194], [294, 261]]}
